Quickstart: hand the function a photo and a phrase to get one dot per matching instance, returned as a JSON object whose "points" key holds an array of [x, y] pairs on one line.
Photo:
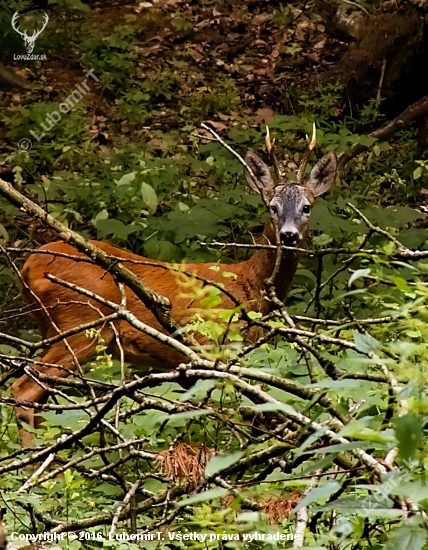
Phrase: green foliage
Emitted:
{"points": [[110, 56], [220, 97], [282, 16], [140, 176]]}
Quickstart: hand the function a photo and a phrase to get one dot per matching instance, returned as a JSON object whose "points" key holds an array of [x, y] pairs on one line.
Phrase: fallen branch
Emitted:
{"points": [[159, 305]]}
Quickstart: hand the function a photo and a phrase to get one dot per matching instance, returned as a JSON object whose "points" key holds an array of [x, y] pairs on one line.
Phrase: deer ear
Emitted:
{"points": [[322, 175], [261, 172]]}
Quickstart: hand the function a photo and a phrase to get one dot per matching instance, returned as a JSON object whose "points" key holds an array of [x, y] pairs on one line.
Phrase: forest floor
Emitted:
{"points": [[226, 60]]}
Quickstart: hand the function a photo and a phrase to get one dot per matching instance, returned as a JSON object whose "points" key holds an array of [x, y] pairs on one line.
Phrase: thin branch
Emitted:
{"points": [[159, 305]]}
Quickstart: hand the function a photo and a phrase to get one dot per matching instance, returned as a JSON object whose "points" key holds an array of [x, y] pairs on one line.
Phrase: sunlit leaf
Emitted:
{"points": [[221, 462], [409, 432], [149, 196]]}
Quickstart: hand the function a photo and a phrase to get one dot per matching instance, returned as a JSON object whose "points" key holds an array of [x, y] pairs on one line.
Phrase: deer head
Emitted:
{"points": [[290, 202], [28, 40]]}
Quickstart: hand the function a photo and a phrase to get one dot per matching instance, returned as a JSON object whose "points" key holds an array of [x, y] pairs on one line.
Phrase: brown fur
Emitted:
{"points": [[67, 309]]}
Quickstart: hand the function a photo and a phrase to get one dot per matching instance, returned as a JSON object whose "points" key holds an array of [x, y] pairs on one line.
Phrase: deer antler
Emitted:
{"points": [[45, 22], [270, 149], [310, 146], [29, 40], [14, 20]]}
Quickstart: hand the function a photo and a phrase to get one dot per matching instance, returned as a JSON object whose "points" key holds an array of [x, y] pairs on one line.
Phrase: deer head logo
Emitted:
{"points": [[29, 40]]}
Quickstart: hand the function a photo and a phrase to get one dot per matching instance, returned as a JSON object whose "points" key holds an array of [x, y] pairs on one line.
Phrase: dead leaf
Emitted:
{"points": [[260, 19], [223, 117], [264, 115], [218, 126], [143, 6], [320, 45], [302, 31], [158, 144]]}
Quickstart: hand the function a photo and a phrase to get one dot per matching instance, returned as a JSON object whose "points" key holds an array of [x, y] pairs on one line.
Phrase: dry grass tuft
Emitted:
{"points": [[279, 508], [185, 462], [227, 500]]}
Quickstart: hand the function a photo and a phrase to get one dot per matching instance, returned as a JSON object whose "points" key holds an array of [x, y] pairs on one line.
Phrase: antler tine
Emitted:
{"points": [[270, 148], [310, 146], [45, 22], [14, 25]]}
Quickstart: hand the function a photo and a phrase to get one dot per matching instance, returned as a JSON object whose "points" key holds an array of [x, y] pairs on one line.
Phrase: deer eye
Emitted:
{"points": [[274, 209], [306, 209]]}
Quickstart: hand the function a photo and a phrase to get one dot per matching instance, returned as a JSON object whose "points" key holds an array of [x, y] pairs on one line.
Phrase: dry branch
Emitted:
{"points": [[409, 115], [159, 305]]}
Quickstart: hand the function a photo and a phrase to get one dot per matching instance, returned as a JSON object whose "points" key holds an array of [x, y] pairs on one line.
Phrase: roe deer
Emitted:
{"points": [[289, 205]]}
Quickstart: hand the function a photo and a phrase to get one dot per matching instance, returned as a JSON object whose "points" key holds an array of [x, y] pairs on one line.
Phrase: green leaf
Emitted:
{"points": [[306, 273], [366, 140], [365, 343], [409, 432], [392, 216], [413, 237], [336, 384], [211, 329], [73, 420], [229, 274], [407, 537], [358, 274], [319, 493], [198, 391], [221, 462], [401, 284], [126, 179], [340, 447], [254, 314], [213, 299], [107, 489], [313, 466], [102, 215], [211, 494], [68, 477], [322, 240], [413, 490], [114, 227], [149, 196], [190, 414], [3, 233], [417, 173], [272, 407]]}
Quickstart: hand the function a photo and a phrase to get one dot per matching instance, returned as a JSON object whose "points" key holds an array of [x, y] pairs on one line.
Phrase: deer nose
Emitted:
{"points": [[289, 238]]}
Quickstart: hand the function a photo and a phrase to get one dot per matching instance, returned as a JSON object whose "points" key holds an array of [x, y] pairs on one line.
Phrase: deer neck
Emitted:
{"points": [[261, 266]]}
